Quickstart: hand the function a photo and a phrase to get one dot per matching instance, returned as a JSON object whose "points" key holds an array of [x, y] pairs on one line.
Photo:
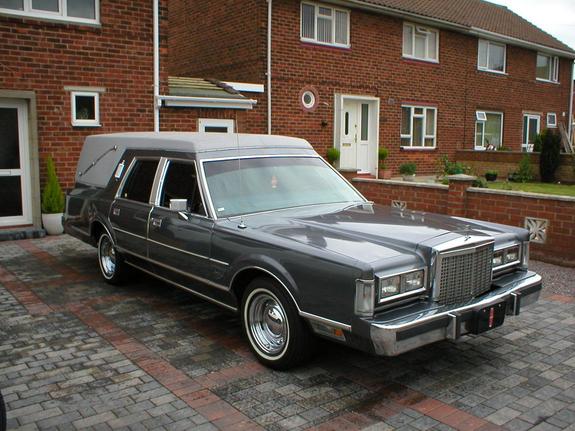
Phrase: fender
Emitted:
{"points": [[275, 270]]}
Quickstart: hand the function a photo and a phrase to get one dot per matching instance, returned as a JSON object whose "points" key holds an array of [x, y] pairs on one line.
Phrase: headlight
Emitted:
{"points": [[398, 284], [512, 254], [389, 286], [506, 256], [412, 281], [498, 258]]}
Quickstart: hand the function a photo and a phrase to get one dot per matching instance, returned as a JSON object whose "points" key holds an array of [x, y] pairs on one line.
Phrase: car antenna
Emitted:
{"points": [[242, 225]]}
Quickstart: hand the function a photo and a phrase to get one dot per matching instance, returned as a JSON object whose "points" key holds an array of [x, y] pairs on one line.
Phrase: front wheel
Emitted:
{"points": [[277, 335], [112, 266]]}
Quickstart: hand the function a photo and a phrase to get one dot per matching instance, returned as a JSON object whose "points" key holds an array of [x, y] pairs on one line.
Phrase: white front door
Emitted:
{"points": [[531, 127], [355, 135], [15, 195]]}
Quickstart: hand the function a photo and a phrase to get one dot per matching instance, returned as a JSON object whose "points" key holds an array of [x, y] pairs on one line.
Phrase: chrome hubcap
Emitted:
{"points": [[107, 257], [268, 324]]}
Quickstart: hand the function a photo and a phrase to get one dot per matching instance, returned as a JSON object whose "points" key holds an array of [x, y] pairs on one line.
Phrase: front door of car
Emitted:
{"points": [[179, 230], [130, 210]]}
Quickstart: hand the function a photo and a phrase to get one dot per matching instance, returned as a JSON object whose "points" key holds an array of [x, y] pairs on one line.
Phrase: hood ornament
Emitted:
{"points": [[467, 232]]}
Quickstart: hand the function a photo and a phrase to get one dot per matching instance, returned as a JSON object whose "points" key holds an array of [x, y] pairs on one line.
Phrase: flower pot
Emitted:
{"points": [[490, 177], [53, 223], [410, 178], [384, 174]]}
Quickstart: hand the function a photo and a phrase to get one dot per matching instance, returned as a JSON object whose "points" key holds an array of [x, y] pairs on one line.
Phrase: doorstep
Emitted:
{"points": [[21, 233]]}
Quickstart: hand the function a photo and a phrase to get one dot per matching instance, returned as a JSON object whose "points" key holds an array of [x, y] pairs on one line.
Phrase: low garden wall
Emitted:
{"points": [[550, 219], [507, 162]]}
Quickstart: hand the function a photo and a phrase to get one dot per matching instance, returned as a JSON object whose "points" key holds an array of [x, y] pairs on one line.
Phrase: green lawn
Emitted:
{"points": [[548, 189]]}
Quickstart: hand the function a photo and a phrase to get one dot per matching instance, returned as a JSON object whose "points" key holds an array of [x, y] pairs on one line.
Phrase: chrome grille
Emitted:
{"points": [[463, 275]]}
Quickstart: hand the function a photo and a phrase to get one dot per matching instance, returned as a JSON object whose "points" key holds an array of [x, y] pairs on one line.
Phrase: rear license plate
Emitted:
{"points": [[488, 318]]}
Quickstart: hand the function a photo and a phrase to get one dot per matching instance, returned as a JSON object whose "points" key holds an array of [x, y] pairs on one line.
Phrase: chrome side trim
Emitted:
{"points": [[325, 321], [117, 229], [189, 253], [171, 268], [300, 312], [187, 289]]}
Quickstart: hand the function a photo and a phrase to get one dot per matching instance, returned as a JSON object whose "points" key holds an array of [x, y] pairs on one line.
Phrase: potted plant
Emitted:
{"points": [[408, 171], [332, 155], [383, 172], [52, 201], [491, 175]]}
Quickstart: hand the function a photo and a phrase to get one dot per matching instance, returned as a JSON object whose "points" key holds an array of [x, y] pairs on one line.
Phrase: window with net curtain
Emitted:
{"points": [[488, 130], [83, 9], [420, 42], [324, 24], [418, 124]]}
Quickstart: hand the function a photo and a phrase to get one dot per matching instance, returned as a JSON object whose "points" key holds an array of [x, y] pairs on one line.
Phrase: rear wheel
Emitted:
{"points": [[112, 266], [277, 335]]}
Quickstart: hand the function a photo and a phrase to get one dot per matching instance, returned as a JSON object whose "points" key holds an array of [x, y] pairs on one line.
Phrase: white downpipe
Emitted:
{"points": [[570, 119], [156, 65], [269, 67]]}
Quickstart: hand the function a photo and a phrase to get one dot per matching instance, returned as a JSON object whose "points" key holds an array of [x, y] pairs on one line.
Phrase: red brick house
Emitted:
{"points": [[71, 68], [422, 78]]}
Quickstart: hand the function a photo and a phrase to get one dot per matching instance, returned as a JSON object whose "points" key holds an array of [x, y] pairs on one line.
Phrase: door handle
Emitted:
{"points": [[157, 222], [116, 211]]}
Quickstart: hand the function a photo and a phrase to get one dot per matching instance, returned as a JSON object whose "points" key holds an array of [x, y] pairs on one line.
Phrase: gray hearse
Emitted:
{"points": [[263, 226]]}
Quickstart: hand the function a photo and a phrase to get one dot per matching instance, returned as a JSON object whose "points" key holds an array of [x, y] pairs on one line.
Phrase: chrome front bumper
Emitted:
{"points": [[410, 327]]}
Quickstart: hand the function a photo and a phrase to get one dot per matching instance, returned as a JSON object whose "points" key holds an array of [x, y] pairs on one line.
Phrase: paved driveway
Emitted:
{"points": [[76, 353]]}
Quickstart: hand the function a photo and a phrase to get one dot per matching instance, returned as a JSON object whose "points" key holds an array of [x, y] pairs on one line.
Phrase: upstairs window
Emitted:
{"points": [[547, 68], [421, 43], [324, 24], [491, 56], [81, 11], [418, 124]]}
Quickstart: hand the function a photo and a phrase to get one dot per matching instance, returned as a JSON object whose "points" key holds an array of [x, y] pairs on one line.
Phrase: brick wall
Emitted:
{"points": [[45, 57], [373, 66], [505, 163], [495, 206]]}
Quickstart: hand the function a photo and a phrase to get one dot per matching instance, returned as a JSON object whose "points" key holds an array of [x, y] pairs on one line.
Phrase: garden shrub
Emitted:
{"points": [[53, 200], [525, 172], [550, 155]]}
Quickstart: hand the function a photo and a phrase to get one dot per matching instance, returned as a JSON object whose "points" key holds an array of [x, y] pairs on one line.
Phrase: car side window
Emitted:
{"points": [[181, 182], [140, 180]]}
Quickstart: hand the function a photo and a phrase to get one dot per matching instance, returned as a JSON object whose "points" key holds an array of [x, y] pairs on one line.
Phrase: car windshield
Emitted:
{"points": [[269, 183]]}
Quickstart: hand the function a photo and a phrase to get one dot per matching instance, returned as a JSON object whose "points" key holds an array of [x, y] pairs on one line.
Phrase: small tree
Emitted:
{"points": [[525, 171], [332, 155], [53, 201], [382, 154], [550, 155]]}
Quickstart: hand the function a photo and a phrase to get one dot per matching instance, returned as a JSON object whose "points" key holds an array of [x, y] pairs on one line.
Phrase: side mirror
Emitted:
{"points": [[179, 205]]}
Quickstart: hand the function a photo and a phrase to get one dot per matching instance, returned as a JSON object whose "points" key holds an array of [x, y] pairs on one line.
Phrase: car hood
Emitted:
{"points": [[366, 232]]}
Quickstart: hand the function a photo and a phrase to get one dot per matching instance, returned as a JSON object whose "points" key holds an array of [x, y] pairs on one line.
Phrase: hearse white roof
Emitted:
{"points": [[101, 153]]}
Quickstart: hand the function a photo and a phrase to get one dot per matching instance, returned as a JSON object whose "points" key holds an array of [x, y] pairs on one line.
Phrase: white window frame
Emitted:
{"points": [[61, 16], [316, 13], [425, 135], [215, 122], [78, 122], [554, 72], [486, 68], [551, 124], [482, 147], [414, 29]]}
